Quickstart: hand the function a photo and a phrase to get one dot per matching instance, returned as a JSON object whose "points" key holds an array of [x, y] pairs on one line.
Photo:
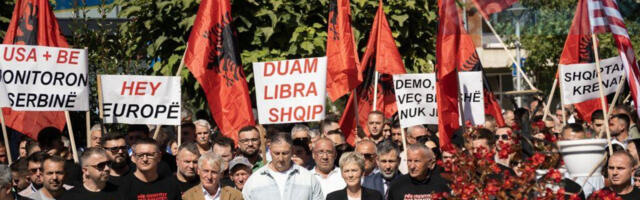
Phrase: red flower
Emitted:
{"points": [[495, 168], [537, 159], [554, 175]]}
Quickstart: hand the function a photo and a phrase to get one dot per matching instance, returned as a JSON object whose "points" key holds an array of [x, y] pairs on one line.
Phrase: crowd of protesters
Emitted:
{"points": [[302, 161]]}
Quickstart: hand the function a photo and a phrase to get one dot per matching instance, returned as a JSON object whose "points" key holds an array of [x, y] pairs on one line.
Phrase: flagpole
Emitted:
{"points": [[375, 91], [602, 98], [178, 74], [87, 118], [100, 106], [460, 102], [71, 137], [550, 98], [6, 139], [355, 104], [615, 97], [518, 67]]}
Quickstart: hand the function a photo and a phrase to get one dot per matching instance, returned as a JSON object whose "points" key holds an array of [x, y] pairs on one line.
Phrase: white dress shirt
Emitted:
{"points": [[333, 182], [208, 196]]}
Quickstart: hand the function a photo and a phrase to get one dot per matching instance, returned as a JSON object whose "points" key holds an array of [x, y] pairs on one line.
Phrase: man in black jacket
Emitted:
{"points": [[419, 183]]}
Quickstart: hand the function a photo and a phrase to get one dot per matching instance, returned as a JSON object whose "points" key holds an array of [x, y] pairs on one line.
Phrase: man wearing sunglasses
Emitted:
{"points": [[368, 149], [503, 136], [116, 149], [145, 183], [34, 165], [95, 174]]}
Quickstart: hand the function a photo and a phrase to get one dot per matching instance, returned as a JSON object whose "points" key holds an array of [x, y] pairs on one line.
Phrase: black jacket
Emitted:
{"points": [[367, 194]]}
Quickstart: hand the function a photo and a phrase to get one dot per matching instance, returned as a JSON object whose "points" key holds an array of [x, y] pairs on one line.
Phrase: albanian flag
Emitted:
{"points": [[578, 49], [213, 57], [33, 23], [381, 55], [342, 57]]}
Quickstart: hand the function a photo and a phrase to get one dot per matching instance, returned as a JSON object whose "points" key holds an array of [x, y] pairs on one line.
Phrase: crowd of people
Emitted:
{"points": [[303, 161]]}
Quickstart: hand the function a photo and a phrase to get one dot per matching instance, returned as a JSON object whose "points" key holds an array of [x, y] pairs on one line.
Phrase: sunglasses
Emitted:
{"points": [[368, 155], [102, 165], [33, 171], [116, 149], [503, 137]]}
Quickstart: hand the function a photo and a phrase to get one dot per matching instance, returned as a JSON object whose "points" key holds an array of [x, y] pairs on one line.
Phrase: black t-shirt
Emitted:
{"points": [[633, 195], [119, 180], [160, 189], [406, 188], [571, 186], [110, 192], [73, 173], [184, 186]]}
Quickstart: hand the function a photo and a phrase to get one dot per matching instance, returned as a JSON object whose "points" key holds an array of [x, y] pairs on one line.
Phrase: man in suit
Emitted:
{"points": [[210, 172], [388, 160]]}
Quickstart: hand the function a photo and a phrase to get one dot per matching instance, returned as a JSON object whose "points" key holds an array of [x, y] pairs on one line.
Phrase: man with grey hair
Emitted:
{"points": [[414, 134], [210, 171], [203, 134], [95, 176], [5, 183], [281, 179], [368, 149], [329, 176], [187, 161], [95, 135], [420, 181], [388, 161], [301, 132]]}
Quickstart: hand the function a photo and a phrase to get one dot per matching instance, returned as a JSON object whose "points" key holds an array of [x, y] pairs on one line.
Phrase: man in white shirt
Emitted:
{"points": [[329, 176]]}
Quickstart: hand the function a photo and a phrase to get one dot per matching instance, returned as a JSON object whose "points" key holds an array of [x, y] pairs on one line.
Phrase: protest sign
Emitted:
{"points": [[579, 82], [39, 78], [131, 99], [291, 91], [416, 98]]}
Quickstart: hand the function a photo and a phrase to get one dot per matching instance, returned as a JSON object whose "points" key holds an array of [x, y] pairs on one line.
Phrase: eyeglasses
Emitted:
{"points": [[102, 165], [116, 149], [248, 140], [503, 137], [35, 170], [320, 153], [148, 155], [368, 155]]}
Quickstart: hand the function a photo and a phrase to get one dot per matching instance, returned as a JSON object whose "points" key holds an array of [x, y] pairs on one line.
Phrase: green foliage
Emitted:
{"points": [[271, 30], [6, 10]]}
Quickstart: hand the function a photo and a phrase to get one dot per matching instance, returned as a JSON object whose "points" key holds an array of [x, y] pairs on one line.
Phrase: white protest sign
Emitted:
{"points": [[416, 98], [579, 82], [131, 99], [38, 78], [290, 91]]}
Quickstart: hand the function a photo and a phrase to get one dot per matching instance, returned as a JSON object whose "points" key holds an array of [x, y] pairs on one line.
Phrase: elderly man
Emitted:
{"points": [[95, 135], [509, 118], [187, 161], [210, 171], [281, 179], [420, 181], [95, 175], [249, 146], [368, 149], [239, 170], [414, 133], [52, 175], [620, 170], [329, 176], [145, 182], [375, 121], [203, 134], [6, 192], [388, 161]]}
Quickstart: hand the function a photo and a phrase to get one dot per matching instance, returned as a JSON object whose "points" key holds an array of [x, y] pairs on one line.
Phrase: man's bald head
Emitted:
{"points": [[322, 142]]}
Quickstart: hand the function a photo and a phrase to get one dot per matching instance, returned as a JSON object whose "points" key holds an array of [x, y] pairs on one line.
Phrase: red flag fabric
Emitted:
{"points": [[606, 18], [33, 23], [451, 54], [382, 55], [578, 48], [488, 7], [342, 57], [213, 57]]}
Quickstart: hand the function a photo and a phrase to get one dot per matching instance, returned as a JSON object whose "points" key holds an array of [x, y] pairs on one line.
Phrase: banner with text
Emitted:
{"points": [[579, 82], [39, 78], [416, 98], [132, 99], [290, 91]]}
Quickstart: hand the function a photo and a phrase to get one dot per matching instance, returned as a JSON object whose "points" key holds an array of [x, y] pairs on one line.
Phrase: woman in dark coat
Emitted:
{"points": [[352, 168]]}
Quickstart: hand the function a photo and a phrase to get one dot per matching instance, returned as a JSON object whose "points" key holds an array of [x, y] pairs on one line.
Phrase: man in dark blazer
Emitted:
{"points": [[388, 160]]}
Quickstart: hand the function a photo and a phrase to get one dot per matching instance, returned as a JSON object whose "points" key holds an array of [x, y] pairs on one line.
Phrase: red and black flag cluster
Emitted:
{"points": [[213, 57], [33, 23], [381, 55], [343, 74]]}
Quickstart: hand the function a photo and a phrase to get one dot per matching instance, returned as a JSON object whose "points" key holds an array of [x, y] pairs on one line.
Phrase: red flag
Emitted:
{"points": [[451, 53], [33, 23], [578, 48], [382, 55], [213, 57], [487, 7], [342, 57]]}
